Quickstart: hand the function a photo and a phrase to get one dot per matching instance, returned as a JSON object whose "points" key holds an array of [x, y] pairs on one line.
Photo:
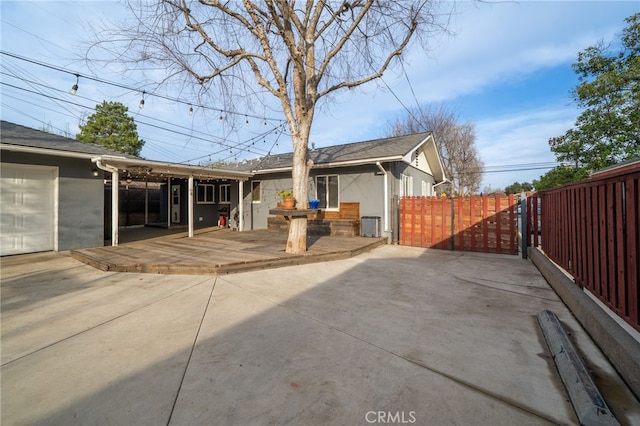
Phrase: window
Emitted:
{"points": [[427, 189], [327, 190], [406, 186], [224, 193], [205, 193], [256, 191]]}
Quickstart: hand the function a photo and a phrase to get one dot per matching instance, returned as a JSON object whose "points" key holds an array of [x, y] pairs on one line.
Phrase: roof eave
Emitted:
{"points": [[159, 167], [361, 162], [45, 151]]}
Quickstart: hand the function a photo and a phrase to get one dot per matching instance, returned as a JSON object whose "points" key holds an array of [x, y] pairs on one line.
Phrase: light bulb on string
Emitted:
{"points": [[141, 104], [74, 88], [190, 110]]}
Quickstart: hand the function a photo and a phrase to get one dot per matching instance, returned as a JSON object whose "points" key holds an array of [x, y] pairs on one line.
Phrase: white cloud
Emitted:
{"points": [[520, 138], [495, 45]]}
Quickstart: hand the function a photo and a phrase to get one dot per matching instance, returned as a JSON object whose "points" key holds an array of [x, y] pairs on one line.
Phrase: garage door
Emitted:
{"points": [[28, 208]]}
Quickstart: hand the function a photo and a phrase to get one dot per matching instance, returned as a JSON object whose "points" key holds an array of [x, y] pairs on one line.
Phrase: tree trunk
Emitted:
{"points": [[297, 239]]}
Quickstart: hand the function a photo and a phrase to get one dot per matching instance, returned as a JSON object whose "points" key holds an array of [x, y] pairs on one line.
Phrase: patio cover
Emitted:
{"points": [[137, 168]]}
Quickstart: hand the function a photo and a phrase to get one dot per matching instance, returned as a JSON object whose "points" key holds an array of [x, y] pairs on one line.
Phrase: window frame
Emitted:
{"points": [[227, 193], [259, 184], [205, 186], [406, 185], [327, 195]]}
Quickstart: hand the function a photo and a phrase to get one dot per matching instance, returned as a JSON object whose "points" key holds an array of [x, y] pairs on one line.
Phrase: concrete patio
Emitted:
{"points": [[422, 336]]}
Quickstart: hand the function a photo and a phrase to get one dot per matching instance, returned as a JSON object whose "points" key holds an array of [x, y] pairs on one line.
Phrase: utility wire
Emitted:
{"points": [[132, 89], [205, 139]]}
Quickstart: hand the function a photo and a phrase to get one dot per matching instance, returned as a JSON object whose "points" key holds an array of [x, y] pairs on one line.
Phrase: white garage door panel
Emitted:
{"points": [[27, 205]]}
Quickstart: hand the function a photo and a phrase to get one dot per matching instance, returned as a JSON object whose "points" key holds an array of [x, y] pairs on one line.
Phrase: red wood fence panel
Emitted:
{"points": [[474, 223], [592, 230]]}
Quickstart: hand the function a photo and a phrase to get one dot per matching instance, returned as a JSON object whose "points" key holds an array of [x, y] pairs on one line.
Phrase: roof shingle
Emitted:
{"points": [[396, 146], [15, 134]]}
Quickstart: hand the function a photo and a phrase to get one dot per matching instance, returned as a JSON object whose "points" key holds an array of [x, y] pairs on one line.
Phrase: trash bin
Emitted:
{"points": [[370, 226]]}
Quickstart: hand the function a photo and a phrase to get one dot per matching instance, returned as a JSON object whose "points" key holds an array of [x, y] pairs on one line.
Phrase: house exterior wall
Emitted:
{"points": [[363, 184], [418, 177], [204, 215], [80, 198]]}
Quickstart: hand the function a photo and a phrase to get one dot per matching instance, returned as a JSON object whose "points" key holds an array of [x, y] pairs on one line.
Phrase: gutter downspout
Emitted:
{"points": [[445, 180], [115, 187], [386, 196]]}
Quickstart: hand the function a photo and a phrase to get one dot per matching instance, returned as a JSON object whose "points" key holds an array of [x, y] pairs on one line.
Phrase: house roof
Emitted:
{"points": [[14, 137], [367, 152]]}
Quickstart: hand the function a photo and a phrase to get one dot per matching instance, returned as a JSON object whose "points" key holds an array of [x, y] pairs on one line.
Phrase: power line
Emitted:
{"points": [[132, 89], [191, 136]]}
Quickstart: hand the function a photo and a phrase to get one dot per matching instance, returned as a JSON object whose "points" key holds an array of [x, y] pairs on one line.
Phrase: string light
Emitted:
{"points": [[190, 110], [241, 147], [74, 88], [129, 88]]}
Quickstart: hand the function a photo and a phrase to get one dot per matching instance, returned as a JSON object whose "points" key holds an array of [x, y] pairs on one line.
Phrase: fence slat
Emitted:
{"points": [[633, 248], [619, 236]]}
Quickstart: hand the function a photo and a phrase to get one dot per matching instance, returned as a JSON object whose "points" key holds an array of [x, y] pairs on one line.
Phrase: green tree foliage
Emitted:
{"points": [[608, 130], [517, 188], [559, 176], [111, 127]]}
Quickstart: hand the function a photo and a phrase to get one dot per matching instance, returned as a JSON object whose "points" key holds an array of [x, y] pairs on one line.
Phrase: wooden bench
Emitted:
{"points": [[344, 222]]}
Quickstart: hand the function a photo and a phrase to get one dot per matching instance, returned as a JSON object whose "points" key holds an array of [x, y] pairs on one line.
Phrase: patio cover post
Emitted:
{"points": [[146, 200], [190, 206], [115, 208], [168, 202], [240, 204]]}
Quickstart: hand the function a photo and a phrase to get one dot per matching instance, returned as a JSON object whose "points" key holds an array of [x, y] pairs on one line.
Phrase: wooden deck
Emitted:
{"points": [[219, 251]]}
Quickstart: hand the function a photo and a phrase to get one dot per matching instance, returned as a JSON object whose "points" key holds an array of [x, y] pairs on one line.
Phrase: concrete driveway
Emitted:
{"points": [[399, 335]]}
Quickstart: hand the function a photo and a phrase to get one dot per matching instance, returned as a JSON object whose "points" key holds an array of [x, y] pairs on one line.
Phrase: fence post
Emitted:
{"points": [[524, 231], [395, 226], [453, 224]]}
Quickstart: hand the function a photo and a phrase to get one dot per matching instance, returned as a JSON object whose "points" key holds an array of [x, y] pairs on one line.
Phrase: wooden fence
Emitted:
{"points": [[592, 230], [475, 223]]}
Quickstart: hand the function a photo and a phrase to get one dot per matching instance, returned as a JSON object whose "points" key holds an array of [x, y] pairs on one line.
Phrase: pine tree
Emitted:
{"points": [[111, 127]]}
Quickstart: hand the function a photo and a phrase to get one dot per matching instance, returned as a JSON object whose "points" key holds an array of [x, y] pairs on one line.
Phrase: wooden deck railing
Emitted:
{"points": [[342, 222], [592, 230]]}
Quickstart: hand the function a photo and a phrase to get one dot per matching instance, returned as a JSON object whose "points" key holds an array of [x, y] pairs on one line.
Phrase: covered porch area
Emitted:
{"points": [[214, 191]]}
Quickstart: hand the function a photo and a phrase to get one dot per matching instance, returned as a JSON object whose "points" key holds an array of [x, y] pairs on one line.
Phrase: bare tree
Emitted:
{"points": [[297, 51], [455, 142]]}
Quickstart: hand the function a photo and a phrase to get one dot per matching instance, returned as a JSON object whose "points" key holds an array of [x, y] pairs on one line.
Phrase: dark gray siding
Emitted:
{"points": [[356, 184], [80, 198]]}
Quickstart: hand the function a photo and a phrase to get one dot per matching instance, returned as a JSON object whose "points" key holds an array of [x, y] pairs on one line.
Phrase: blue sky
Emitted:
{"points": [[506, 68]]}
